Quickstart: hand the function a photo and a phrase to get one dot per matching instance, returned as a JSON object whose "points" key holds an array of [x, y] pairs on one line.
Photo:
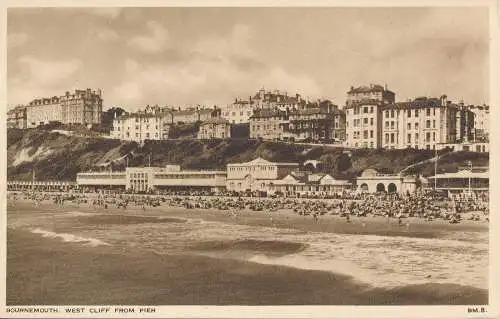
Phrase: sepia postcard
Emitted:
{"points": [[271, 159]]}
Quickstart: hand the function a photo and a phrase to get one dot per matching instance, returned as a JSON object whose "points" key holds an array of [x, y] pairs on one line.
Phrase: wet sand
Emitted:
{"points": [[48, 271], [43, 270]]}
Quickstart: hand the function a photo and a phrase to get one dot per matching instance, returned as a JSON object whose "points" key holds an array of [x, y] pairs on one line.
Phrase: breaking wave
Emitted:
{"points": [[69, 237]]}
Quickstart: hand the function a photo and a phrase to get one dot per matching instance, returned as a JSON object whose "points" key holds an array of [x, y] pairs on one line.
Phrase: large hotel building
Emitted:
{"points": [[79, 107]]}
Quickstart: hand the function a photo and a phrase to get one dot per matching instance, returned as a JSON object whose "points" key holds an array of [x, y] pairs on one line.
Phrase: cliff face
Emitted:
{"points": [[59, 156]]}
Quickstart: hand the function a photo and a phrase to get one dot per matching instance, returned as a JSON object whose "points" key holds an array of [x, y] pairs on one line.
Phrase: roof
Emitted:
{"points": [[422, 102], [368, 89], [260, 113], [215, 121], [261, 161], [462, 174]]}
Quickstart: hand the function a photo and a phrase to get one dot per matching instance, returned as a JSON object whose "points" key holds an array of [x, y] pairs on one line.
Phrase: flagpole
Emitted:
{"points": [[435, 170]]}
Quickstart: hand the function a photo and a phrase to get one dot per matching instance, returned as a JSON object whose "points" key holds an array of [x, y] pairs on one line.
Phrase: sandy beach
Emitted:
{"points": [[172, 255]]}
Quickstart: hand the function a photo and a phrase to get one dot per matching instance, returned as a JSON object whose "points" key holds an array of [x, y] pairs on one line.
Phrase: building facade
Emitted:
{"points": [[16, 118], [270, 124], [256, 175], [79, 107], [363, 112], [154, 179], [214, 129], [140, 127], [423, 123], [481, 122], [297, 184], [372, 181], [238, 112], [465, 124]]}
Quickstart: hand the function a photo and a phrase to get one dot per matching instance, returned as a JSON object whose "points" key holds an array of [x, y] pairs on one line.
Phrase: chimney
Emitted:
{"points": [[444, 101], [385, 87]]}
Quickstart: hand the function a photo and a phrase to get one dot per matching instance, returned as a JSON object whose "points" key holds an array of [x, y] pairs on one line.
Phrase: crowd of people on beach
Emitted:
{"points": [[428, 206]]}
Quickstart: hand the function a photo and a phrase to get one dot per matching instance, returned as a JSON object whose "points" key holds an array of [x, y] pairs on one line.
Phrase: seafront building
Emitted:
{"points": [[154, 179], [79, 107], [299, 183], [371, 181], [466, 181], [256, 175]]}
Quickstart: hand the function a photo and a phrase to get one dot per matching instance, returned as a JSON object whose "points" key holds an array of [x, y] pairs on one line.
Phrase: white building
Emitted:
{"points": [[140, 127], [372, 181], [363, 113], [151, 179], [481, 122], [79, 107], [298, 184], [421, 124], [256, 175]]}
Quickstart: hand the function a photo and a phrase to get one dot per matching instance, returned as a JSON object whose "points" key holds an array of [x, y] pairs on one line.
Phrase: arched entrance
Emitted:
{"points": [[364, 187], [392, 188], [380, 187]]}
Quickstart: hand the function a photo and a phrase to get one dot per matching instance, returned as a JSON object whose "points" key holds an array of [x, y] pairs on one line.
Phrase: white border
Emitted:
{"points": [[288, 311]]}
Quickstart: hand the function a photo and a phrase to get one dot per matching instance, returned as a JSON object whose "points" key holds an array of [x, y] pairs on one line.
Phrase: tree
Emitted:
{"points": [[109, 115]]}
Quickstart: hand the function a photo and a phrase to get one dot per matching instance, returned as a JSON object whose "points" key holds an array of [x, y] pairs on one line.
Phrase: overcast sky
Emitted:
{"points": [[182, 56]]}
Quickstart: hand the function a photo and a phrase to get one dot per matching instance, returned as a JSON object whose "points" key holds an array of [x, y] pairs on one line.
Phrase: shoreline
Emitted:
{"points": [[158, 279], [285, 219]]}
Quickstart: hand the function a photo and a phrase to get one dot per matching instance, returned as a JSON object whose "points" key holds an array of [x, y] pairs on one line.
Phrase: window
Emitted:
{"points": [[409, 113], [428, 112], [416, 137], [434, 111], [371, 134], [387, 113], [416, 113], [409, 126], [427, 137], [416, 126], [387, 138], [392, 125], [365, 109], [433, 136], [409, 138], [365, 134], [392, 137], [392, 113], [428, 124], [371, 109], [365, 120], [433, 123]]}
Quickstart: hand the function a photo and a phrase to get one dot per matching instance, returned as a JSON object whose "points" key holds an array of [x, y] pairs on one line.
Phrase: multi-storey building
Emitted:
{"points": [[481, 122], [317, 124], [465, 124], [271, 124], [16, 117], [421, 124], [139, 127], [371, 93], [363, 112], [80, 107], [193, 115], [215, 129], [239, 112], [279, 100]]}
